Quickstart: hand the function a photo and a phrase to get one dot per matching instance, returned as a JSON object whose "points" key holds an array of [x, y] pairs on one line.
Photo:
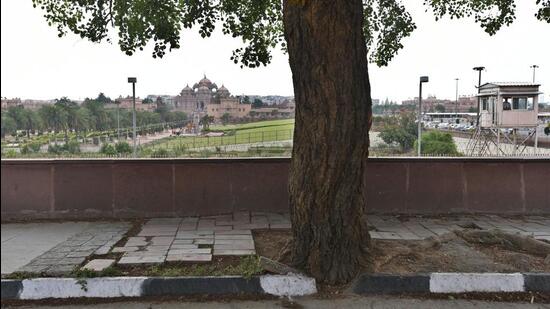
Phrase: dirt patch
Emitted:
{"points": [[447, 253], [270, 243], [450, 253]]}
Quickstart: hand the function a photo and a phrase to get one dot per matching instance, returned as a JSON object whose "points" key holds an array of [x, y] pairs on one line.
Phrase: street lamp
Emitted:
{"points": [[456, 101], [117, 120], [479, 69], [133, 81], [534, 67], [423, 79]]}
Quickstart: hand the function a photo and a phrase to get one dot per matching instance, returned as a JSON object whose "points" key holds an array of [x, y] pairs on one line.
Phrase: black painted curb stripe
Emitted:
{"points": [[381, 283], [201, 285], [11, 289], [537, 282]]}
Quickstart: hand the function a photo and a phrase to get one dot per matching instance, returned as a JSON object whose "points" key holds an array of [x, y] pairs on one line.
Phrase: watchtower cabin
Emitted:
{"points": [[507, 119]]}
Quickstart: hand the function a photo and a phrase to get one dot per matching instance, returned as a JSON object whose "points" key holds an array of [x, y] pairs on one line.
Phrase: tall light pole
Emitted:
{"points": [[117, 120], [456, 100], [423, 79], [133, 81], [534, 67], [479, 69]]}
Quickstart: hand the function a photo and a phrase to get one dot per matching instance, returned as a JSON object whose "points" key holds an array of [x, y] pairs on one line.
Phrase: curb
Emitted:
{"points": [[110, 287], [452, 283]]}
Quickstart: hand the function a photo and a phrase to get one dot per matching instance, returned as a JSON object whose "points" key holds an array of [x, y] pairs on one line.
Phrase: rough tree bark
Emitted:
{"points": [[328, 59]]}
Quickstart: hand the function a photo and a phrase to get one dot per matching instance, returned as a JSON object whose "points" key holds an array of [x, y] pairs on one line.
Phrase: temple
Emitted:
{"points": [[206, 98]]}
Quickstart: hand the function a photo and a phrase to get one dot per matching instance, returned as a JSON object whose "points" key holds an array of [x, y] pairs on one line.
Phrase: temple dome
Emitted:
{"points": [[223, 92]]}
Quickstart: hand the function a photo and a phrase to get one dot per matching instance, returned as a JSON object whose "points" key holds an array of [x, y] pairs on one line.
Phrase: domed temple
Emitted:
{"points": [[206, 97]]}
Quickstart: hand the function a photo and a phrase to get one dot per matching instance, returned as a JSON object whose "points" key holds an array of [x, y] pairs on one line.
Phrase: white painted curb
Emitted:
{"points": [[94, 287], [288, 285], [476, 282]]}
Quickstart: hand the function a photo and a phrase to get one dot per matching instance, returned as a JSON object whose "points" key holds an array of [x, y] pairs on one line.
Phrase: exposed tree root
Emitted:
{"points": [[513, 242]]}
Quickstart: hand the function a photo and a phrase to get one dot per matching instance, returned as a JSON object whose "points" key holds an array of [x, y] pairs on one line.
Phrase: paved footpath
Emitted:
{"points": [[55, 248], [373, 302]]}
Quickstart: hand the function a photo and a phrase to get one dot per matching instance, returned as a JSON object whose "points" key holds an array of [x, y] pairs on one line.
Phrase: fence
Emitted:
{"points": [[240, 143]]}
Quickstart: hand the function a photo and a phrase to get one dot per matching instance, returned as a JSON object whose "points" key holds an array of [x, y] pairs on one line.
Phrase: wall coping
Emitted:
{"points": [[261, 160]]}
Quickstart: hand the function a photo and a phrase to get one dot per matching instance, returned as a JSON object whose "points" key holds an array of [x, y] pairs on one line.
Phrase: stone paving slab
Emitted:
{"points": [[200, 238], [70, 254], [98, 264]]}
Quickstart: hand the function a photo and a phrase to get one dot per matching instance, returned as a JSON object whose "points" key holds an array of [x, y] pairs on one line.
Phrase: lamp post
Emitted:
{"points": [[479, 69], [117, 120], [133, 81], [534, 67], [456, 100], [423, 79]]}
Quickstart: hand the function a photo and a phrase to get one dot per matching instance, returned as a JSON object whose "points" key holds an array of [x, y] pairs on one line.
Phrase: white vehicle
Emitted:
{"points": [[443, 125]]}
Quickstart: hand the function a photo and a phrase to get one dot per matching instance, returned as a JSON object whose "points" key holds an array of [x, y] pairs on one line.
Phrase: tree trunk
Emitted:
{"points": [[328, 59]]}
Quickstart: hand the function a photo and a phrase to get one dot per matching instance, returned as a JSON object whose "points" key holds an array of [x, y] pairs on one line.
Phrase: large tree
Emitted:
{"points": [[327, 43]]}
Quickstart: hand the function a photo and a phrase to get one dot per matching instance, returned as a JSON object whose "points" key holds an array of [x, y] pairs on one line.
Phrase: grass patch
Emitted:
{"points": [[20, 275], [88, 273], [247, 267]]}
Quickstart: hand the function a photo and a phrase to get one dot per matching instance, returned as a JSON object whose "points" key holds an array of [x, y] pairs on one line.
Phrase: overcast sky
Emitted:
{"points": [[37, 64]]}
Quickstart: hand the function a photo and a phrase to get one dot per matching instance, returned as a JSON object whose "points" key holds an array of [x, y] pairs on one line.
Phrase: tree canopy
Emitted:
{"points": [[257, 22]]}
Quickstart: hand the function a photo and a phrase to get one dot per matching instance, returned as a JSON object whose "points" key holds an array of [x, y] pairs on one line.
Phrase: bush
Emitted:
{"points": [[10, 153], [73, 146], [123, 148], [55, 148], [108, 149], [438, 143], [30, 148], [160, 153]]}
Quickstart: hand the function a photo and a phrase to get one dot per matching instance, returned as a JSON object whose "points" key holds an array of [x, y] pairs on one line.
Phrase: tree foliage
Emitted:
{"points": [[257, 22], [438, 143], [401, 131]]}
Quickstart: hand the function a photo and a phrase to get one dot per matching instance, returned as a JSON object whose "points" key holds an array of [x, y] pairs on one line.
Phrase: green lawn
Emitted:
{"points": [[255, 132]]}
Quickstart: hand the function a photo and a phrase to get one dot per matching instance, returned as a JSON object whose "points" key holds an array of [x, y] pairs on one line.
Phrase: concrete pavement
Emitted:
{"points": [[22, 242], [376, 302], [25, 242]]}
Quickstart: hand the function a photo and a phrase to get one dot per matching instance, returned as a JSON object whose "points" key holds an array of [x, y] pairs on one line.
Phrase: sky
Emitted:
{"points": [[36, 64]]}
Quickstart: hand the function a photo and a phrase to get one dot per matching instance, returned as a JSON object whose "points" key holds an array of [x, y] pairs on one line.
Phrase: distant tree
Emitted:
{"points": [[206, 121], [70, 109], [246, 100], [179, 116], [17, 114], [403, 131], [53, 117], [440, 108], [258, 103], [438, 143], [30, 121], [101, 98], [8, 125], [225, 118], [147, 101]]}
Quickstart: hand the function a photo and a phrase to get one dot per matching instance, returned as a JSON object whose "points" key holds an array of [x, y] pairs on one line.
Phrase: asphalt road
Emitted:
{"points": [[373, 302]]}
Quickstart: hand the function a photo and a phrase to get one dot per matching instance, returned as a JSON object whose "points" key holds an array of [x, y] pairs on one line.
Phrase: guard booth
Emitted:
{"points": [[507, 120]]}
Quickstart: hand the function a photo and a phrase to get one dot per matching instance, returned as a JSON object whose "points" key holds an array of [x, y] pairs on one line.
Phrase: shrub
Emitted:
{"points": [[10, 153], [123, 148], [160, 153], [108, 149], [55, 148], [73, 146], [438, 143]]}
